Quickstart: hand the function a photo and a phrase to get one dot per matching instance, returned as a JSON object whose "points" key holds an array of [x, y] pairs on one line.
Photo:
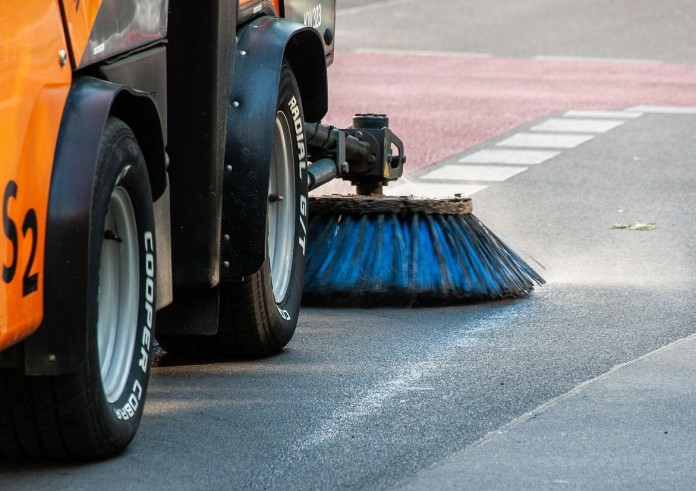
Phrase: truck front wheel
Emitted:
{"points": [[94, 412]]}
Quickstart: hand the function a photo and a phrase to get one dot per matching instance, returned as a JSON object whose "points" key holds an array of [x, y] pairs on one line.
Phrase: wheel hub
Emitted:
{"points": [[281, 208], [118, 295]]}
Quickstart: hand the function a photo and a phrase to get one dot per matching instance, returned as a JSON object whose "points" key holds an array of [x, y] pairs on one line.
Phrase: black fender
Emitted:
{"points": [[263, 44], [60, 343]]}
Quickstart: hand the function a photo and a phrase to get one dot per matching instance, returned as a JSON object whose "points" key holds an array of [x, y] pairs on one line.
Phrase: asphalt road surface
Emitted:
{"points": [[372, 399]]}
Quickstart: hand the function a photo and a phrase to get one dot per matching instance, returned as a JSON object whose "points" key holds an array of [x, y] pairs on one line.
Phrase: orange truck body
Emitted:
{"points": [[34, 82]]}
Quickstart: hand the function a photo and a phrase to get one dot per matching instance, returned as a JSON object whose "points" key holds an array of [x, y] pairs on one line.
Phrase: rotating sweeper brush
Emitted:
{"points": [[407, 250]]}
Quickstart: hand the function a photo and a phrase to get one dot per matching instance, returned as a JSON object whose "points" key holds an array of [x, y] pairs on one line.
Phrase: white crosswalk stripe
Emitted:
{"points": [[569, 125], [416, 187], [603, 114], [466, 172], [664, 109], [545, 140], [506, 156]]}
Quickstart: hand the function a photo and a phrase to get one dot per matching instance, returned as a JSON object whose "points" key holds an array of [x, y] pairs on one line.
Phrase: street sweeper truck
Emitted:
{"points": [[156, 162], [154, 165]]}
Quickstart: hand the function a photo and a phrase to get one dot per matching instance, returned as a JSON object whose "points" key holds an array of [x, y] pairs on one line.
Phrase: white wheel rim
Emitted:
{"points": [[281, 208], [118, 295]]}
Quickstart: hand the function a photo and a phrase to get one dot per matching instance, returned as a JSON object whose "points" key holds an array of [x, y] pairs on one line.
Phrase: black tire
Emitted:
{"points": [[87, 414], [254, 320], [256, 317]]}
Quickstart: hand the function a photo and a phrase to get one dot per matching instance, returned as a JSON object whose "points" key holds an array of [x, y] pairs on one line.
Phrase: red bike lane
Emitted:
{"points": [[442, 105]]}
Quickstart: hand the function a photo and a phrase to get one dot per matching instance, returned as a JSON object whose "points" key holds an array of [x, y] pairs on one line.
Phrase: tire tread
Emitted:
{"points": [[250, 325], [59, 417]]}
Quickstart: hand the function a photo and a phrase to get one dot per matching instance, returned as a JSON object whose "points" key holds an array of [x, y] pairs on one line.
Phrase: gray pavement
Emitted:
{"points": [[373, 399], [630, 428], [637, 29]]}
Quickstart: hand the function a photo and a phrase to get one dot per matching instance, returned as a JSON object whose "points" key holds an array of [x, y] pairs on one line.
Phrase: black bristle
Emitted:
{"points": [[417, 254]]}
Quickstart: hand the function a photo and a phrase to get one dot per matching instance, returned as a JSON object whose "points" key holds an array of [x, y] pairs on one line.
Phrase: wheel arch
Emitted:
{"points": [[263, 45], [60, 343]]}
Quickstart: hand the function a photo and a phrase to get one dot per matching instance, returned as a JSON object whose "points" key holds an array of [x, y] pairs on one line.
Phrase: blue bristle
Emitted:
{"points": [[428, 257]]}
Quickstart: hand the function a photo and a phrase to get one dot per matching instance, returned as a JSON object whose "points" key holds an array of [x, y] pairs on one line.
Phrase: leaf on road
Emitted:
{"points": [[642, 226]]}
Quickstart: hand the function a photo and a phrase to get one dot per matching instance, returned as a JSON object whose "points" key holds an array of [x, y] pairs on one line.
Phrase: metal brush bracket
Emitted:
{"points": [[362, 154]]}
